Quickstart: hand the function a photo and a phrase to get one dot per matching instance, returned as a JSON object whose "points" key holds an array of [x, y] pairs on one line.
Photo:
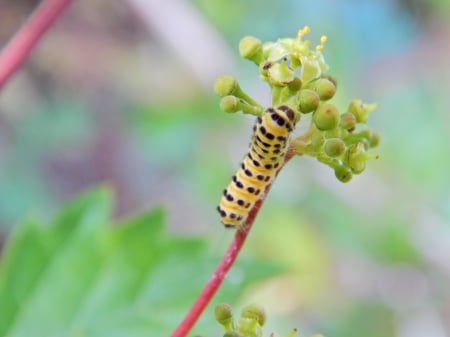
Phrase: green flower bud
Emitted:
{"points": [[295, 85], [348, 121], [225, 85], [308, 100], [281, 74], [251, 49], [343, 173], [224, 316], [334, 147], [325, 89], [332, 79], [254, 312], [361, 110], [326, 117], [249, 327], [230, 104]]}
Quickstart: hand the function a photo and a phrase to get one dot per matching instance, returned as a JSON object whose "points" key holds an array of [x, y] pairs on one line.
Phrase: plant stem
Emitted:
{"points": [[20, 46], [224, 266]]}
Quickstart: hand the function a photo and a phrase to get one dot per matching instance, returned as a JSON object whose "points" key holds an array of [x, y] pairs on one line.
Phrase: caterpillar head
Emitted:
{"points": [[283, 116]]}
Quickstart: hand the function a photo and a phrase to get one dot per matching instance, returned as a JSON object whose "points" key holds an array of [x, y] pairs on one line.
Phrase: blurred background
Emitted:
{"points": [[120, 93]]}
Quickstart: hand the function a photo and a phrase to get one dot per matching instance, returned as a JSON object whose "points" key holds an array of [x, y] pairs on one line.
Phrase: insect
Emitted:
{"points": [[266, 153]]}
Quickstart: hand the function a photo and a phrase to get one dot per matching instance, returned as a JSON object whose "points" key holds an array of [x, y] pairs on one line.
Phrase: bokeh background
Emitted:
{"points": [[120, 92]]}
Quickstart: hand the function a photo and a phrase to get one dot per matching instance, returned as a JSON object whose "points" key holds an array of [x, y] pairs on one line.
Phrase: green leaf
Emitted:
{"points": [[80, 277]]}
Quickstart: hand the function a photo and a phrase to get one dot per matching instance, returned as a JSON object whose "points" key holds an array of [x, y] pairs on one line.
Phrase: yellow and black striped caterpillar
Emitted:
{"points": [[265, 155]]}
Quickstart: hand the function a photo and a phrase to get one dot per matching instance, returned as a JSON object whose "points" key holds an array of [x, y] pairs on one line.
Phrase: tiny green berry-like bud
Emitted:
{"points": [[308, 100], [326, 117], [348, 121], [295, 85], [250, 48], [254, 312], [332, 79], [334, 147], [229, 104], [343, 173], [223, 312], [325, 88], [224, 316], [225, 85]]}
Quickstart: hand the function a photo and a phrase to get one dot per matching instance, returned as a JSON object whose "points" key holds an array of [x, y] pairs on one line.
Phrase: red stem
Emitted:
{"points": [[222, 269], [17, 50]]}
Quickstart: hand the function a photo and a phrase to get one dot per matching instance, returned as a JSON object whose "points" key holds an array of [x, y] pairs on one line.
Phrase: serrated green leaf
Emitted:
{"points": [[80, 277], [37, 256], [72, 277]]}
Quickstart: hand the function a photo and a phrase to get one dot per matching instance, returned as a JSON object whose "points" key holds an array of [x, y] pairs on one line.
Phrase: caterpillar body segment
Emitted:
{"points": [[258, 169]]}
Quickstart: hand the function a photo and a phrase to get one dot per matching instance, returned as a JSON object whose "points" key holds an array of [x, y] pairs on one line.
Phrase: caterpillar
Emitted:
{"points": [[265, 155]]}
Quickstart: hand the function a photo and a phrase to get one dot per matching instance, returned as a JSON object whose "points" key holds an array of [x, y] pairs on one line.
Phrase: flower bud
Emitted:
{"points": [[250, 48], [334, 147], [308, 100], [332, 79], [343, 173], [254, 312], [326, 117], [295, 85], [229, 104], [225, 85], [249, 327], [348, 121], [224, 316], [325, 89]]}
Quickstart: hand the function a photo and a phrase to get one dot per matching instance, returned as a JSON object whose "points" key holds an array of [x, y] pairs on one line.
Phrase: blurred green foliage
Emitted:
{"points": [[368, 257], [77, 276]]}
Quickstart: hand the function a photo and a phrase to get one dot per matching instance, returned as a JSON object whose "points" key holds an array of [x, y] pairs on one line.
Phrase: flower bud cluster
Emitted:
{"points": [[297, 76], [249, 324]]}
